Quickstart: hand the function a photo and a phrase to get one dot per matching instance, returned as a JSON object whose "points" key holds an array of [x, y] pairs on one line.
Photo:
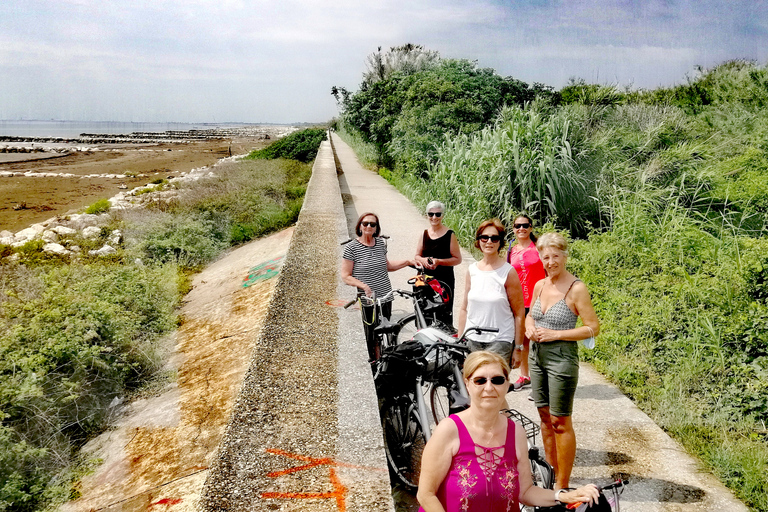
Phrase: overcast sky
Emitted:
{"points": [[258, 61]]}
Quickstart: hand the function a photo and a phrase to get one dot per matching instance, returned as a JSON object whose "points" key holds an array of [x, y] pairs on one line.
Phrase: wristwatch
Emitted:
{"points": [[557, 496], [519, 347]]}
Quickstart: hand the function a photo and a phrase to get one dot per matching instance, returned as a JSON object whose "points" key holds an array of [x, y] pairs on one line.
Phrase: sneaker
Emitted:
{"points": [[530, 397], [521, 382]]}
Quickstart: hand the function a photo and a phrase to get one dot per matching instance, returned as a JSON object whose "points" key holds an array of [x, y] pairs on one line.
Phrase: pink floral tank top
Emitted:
{"points": [[487, 482]]}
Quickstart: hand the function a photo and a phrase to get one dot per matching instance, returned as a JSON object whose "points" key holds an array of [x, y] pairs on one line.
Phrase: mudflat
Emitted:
{"points": [[32, 195]]}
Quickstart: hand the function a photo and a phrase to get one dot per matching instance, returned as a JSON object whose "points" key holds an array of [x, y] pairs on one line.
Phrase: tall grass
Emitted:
{"points": [[529, 160]]}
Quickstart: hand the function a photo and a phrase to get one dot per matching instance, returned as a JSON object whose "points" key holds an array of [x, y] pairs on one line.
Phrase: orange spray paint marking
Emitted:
{"points": [[168, 502], [339, 491]]}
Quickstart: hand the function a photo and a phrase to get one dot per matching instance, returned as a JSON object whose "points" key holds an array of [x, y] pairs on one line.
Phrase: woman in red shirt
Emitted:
{"points": [[524, 257]]}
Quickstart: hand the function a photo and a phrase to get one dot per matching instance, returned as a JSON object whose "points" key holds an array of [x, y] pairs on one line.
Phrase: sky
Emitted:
{"points": [[202, 61]]}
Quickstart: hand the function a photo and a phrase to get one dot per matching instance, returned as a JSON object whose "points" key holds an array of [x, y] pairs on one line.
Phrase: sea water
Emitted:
{"points": [[73, 129]]}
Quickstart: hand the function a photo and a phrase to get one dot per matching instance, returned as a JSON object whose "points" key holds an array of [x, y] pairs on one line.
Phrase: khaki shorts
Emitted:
{"points": [[554, 368]]}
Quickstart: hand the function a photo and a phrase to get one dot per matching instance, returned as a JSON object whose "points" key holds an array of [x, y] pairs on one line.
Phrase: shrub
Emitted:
{"points": [[302, 146], [100, 206]]}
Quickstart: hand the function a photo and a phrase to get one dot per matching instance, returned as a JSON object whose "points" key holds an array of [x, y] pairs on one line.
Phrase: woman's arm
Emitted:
{"points": [[534, 496], [435, 464], [530, 324], [463, 310], [420, 258], [516, 304], [347, 267], [398, 264], [581, 304]]}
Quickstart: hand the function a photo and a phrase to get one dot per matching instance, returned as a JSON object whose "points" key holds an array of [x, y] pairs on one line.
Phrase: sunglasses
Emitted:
{"points": [[496, 380], [524, 226], [492, 238], [369, 224], [435, 214]]}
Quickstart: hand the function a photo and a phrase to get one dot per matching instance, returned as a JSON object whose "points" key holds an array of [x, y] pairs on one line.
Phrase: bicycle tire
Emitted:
{"points": [[407, 328], [440, 401], [404, 440], [543, 474]]}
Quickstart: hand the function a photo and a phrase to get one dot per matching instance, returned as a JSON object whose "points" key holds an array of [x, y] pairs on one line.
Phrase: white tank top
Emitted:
{"points": [[488, 304]]}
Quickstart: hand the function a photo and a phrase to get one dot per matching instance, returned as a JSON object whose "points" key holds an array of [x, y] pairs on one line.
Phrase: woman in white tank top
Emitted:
{"points": [[493, 296]]}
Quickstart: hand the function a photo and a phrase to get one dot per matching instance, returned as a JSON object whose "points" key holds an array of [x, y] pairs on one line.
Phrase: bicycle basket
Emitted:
{"points": [[398, 368], [531, 428]]}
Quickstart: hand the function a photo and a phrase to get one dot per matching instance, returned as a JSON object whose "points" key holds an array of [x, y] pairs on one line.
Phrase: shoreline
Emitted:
{"points": [[59, 178]]}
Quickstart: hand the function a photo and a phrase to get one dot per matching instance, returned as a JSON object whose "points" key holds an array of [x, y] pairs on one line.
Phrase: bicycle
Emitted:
{"points": [[443, 374], [405, 418]]}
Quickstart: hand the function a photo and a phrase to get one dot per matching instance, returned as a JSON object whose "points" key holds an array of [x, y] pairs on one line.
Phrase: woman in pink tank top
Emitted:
{"points": [[477, 460]]}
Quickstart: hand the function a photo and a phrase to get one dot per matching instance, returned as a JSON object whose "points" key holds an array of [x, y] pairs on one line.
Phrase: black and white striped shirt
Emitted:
{"points": [[370, 265]]}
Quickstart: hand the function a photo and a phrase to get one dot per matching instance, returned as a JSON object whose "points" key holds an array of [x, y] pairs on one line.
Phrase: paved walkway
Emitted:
{"points": [[613, 435]]}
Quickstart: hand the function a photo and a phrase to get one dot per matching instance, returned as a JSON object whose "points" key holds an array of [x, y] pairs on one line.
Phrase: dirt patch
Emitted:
{"points": [[46, 197], [158, 455]]}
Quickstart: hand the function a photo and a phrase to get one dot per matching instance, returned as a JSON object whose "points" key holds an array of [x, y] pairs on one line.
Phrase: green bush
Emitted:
{"points": [[100, 206], [302, 146]]}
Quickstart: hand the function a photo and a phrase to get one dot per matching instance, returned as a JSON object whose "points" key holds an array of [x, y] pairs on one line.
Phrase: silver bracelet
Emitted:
{"points": [[519, 347], [557, 496]]}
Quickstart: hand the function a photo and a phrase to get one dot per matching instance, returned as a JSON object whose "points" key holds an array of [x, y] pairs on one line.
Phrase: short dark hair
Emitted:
{"points": [[359, 231], [496, 223]]}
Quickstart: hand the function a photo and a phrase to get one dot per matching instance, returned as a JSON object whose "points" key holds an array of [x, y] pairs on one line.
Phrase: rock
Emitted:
{"points": [[27, 234], [14, 257], [5, 233], [83, 220], [55, 249], [138, 262], [91, 232], [104, 251], [21, 243], [7, 240], [115, 237], [50, 236], [64, 230], [74, 248]]}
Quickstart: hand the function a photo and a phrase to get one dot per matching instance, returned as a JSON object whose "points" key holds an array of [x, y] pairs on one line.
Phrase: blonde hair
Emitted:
{"points": [[481, 358], [552, 240]]}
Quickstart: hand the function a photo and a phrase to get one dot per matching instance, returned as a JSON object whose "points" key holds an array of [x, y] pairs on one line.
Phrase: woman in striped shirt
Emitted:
{"points": [[365, 265]]}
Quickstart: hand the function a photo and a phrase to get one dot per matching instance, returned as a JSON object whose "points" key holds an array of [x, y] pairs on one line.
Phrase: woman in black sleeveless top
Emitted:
{"points": [[438, 252]]}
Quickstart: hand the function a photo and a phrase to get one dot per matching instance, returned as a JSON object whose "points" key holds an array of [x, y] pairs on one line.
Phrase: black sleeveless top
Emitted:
{"points": [[439, 248]]}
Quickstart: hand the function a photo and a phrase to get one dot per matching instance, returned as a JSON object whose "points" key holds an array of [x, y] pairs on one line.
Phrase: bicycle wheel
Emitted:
{"points": [[440, 401], [407, 328], [404, 440], [543, 474]]}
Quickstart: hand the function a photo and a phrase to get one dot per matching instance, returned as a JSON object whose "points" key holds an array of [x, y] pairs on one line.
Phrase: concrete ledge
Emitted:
{"points": [[304, 432]]}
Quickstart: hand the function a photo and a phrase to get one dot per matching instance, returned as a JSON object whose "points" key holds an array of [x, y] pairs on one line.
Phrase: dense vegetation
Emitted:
{"points": [[301, 146], [79, 334], [666, 195]]}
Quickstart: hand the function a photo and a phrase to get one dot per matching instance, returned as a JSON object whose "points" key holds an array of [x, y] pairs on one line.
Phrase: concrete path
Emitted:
{"points": [[613, 435]]}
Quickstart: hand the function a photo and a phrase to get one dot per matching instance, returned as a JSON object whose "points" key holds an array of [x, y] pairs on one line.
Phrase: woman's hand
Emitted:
{"points": [[530, 333], [544, 335], [367, 290], [587, 494]]}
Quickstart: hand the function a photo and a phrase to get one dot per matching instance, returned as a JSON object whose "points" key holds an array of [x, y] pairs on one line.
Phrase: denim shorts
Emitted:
{"points": [[554, 369]]}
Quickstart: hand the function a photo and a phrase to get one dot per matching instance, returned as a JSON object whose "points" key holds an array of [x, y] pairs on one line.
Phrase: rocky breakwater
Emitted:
{"points": [[63, 235]]}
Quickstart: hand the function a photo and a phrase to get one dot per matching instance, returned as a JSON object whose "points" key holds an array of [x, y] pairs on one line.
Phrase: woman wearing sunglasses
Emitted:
{"points": [[477, 460], [365, 265], [524, 257], [438, 251], [559, 300], [493, 296]]}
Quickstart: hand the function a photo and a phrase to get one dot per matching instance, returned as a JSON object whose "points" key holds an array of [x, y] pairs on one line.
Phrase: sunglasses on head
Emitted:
{"points": [[492, 238], [524, 226], [496, 380], [435, 214], [369, 224]]}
